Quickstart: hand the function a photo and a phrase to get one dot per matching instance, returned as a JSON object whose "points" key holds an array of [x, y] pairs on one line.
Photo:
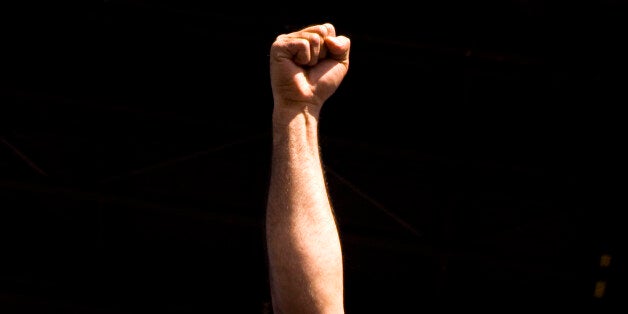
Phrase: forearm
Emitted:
{"points": [[304, 251]]}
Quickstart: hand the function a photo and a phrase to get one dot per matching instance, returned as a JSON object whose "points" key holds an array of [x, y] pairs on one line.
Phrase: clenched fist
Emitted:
{"points": [[307, 66]]}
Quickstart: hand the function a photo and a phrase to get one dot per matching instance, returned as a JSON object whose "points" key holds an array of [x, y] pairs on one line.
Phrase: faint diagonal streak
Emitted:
{"points": [[21, 155], [375, 203], [174, 161]]}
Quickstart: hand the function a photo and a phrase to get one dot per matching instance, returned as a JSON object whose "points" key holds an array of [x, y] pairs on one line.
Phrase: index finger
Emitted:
{"points": [[326, 29]]}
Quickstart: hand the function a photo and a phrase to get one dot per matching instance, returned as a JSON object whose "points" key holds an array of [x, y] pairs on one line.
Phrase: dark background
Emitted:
{"points": [[473, 155]]}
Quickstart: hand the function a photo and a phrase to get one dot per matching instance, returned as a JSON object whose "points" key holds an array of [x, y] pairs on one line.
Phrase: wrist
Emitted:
{"points": [[296, 129], [294, 114]]}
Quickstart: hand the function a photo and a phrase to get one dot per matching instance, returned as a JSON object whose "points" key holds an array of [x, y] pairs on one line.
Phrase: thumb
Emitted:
{"points": [[338, 47]]}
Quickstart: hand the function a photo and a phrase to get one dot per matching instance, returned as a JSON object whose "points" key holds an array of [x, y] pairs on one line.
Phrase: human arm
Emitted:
{"points": [[303, 244]]}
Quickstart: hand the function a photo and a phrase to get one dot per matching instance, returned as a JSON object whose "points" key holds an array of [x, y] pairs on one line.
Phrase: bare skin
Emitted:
{"points": [[304, 251]]}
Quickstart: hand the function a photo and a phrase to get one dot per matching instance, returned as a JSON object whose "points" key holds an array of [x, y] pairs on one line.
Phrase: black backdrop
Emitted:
{"points": [[472, 154]]}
